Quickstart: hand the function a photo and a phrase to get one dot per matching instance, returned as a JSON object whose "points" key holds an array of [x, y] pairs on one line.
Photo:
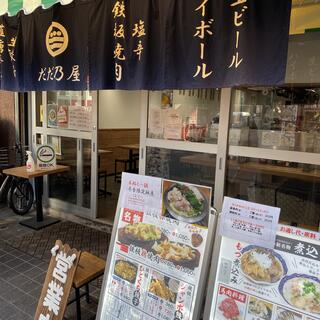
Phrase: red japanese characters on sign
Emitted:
{"points": [[132, 216], [236, 295]]}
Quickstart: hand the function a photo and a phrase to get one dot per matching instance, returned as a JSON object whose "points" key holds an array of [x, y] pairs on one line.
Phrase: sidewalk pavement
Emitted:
{"points": [[24, 259]]}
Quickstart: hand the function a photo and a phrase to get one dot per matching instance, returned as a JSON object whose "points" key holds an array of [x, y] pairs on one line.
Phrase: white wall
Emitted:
{"points": [[119, 109]]}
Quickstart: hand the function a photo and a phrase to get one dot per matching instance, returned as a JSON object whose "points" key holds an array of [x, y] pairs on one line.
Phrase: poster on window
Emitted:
{"points": [[173, 125], [256, 283], [155, 123], [80, 118], [51, 115], [62, 116], [156, 263]]}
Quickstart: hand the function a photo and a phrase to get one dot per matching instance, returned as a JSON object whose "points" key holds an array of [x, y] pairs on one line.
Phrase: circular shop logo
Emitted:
{"points": [[57, 39], [45, 154]]}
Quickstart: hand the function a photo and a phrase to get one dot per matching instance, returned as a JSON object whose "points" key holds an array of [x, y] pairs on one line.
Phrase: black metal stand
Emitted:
{"points": [[40, 221]]}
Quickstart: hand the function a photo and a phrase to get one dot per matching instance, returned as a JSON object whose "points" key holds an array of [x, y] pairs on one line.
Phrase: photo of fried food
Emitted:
{"points": [[143, 231], [196, 240], [126, 270], [162, 290], [260, 308], [284, 314], [174, 251]]}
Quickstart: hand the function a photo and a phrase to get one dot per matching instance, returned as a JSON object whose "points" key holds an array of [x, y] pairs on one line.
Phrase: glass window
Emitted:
{"points": [[276, 118], [186, 166], [63, 186], [190, 115], [70, 110], [294, 187]]}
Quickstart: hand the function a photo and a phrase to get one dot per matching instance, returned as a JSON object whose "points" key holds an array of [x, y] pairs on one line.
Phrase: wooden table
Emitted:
{"points": [[131, 148], [21, 172], [73, 162], [101, 152], [255, 167]]}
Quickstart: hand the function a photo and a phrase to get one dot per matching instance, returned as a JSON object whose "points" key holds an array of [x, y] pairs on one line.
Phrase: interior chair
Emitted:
{"points": [[125, 163]]}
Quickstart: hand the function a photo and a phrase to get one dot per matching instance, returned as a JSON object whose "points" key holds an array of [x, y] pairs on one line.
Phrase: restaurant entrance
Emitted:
{"points": [[67, 120], [96, 134], [118, 145]]}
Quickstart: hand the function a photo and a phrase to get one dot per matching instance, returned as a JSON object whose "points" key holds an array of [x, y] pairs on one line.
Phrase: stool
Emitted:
{"points": [[126, 163], [89, 269]]}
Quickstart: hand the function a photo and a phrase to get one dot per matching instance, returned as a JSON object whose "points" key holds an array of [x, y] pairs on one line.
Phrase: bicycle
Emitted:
{"points": [[17, 192]]}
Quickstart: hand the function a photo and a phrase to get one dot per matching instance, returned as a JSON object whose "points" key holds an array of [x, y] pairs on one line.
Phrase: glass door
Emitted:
{"points": [[67, 120]]}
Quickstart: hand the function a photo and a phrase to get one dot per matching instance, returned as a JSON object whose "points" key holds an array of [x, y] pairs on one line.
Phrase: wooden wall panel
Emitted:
{"points": [[110, 139]]}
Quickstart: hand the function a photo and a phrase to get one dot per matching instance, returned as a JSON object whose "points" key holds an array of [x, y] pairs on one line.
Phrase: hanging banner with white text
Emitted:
{"points": [[144, 44]]}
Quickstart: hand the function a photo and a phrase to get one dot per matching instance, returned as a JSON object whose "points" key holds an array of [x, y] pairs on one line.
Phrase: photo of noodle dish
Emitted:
{"points": [[186, 203], [177, 253], [261, 265], [164, 288], [302, 292]]}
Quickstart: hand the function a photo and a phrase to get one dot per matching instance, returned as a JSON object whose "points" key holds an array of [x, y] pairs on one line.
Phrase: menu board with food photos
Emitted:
{"points": [[256, 283], [158, 251]]}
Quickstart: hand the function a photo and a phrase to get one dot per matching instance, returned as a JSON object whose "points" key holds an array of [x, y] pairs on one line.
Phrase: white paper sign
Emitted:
{"points": [[140, 192], [250, 222]]}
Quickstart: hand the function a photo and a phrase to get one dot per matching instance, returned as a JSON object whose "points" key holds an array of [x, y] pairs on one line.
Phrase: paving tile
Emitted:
{"points": [[32, 273], [2, 253], [24, 267], [35, 261], [7, 257], [43, 266], [9, 292], [14, 262], [40, 278], [9, 274], [24, 256], [19, 280], [28, 286], [9, 311], [36, 291], [26, 304], [3, 268]]}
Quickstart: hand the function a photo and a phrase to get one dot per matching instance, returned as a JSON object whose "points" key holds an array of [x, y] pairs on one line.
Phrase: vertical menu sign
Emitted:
{"points": [[260, 283], [157, 256]]}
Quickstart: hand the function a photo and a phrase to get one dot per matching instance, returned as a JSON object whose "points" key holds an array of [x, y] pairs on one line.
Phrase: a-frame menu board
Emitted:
{"points": [[158, 258]]}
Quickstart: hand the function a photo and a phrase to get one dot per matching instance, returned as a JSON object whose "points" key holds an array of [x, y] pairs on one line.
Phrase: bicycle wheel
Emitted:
{"points": [[20, 197]]}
